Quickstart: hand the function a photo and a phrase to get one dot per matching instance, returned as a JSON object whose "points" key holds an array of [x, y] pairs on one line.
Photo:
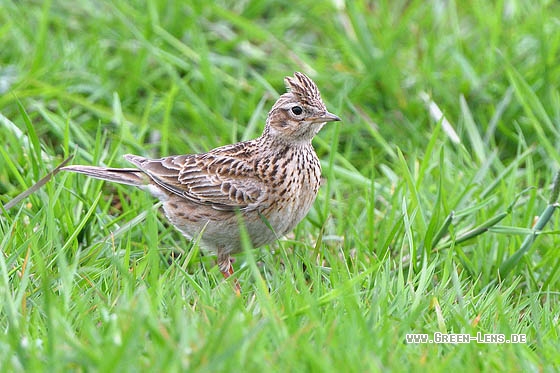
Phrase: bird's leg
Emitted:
{"points": [[225, 264]]}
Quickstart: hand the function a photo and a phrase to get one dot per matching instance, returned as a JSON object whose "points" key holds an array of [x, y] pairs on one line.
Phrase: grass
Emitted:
{"points": [[427, 224]]}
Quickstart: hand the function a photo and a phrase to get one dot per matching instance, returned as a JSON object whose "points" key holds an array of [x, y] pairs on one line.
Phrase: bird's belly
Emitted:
{"points": [[295, 207]]}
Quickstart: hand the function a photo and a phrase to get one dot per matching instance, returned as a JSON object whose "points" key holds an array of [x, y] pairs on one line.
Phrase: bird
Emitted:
{"points": [[268, 184]]}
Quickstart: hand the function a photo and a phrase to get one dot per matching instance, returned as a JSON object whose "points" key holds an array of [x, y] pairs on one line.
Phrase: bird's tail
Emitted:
{"points": [[129, 176]]}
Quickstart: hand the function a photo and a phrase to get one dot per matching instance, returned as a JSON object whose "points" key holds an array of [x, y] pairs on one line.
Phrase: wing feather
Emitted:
{"points": [[219, 179]]}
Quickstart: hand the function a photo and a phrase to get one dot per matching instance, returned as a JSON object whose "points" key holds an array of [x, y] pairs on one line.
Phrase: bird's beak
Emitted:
{"points": [[326, 117]]}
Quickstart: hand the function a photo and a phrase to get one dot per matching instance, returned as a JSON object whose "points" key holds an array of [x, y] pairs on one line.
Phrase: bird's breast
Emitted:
{"points": [[293, 183]]}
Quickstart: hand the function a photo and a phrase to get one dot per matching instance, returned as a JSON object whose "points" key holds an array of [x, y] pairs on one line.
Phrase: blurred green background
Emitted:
{"points": [[198, 70]]}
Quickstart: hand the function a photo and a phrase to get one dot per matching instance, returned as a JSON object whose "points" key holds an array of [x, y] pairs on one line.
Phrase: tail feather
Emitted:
{"points": [[129, 176]]}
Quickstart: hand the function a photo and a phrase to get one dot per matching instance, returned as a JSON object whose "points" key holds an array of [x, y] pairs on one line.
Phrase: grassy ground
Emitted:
{"points": [[408, 236]]}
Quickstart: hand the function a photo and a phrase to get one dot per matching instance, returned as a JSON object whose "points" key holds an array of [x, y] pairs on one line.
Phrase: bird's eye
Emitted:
{"points": [[297, 110]]}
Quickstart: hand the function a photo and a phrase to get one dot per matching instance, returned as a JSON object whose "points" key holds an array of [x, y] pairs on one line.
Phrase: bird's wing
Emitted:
{"points": [[217, 178]]}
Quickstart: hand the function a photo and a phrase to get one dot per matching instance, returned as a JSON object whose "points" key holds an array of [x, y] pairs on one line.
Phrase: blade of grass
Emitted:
{"points": [[35, 186], [512, 261]]}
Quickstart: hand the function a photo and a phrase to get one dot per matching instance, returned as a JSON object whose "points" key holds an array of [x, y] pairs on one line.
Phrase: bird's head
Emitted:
{"points": [[300, 113]]}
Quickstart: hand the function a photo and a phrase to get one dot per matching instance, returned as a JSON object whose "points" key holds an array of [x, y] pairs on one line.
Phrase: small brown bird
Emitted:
{"points": [[270, 182]]}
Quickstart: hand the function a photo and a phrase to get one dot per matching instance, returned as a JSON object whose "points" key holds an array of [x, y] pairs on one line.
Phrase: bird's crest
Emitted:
{"points": [[305, 90]]}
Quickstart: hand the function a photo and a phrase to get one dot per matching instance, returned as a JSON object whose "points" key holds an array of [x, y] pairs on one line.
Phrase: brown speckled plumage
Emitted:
{"points": [[271, 181]]}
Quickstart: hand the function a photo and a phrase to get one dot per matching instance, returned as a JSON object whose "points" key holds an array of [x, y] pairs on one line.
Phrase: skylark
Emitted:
{"points": [[270, 182]]}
